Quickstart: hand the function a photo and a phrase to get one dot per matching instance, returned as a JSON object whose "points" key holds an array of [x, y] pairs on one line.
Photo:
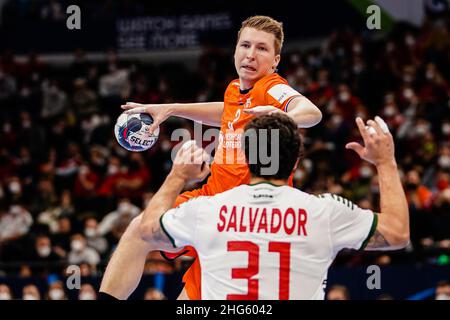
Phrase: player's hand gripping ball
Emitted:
{"points": [[132, 131]]}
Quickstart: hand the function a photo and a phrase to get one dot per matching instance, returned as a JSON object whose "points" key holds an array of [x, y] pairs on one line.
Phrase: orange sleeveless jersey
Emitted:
{"points": [[229, 168]]}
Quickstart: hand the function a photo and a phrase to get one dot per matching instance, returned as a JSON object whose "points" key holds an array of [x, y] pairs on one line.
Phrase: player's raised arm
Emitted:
{"points": [[304, 113], [208, 113], [190, 164], [392, 231]]}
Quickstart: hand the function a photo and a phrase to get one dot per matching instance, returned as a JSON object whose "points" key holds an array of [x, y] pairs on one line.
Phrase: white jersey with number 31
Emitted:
{"points": [[267, 242]]}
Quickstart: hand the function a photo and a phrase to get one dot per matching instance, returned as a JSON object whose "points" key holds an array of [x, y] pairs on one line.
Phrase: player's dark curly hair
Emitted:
{"points": [[289, 141]]}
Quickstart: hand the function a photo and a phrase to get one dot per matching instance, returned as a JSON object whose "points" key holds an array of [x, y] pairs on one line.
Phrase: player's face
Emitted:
{"points": [[255, 56]]}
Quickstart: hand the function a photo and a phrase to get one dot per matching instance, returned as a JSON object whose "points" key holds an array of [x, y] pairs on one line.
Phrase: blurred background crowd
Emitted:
{"points": [[68, 190]]}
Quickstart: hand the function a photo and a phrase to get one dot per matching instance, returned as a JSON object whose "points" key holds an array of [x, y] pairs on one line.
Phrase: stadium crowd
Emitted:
{"points": [[68, 190]]}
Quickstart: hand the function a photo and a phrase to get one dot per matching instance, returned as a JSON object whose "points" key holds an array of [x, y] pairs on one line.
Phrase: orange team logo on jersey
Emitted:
{"points": [[229, 168]]}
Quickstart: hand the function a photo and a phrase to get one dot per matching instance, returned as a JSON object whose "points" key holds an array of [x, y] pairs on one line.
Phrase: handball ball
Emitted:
{"points": [[132, 131]]}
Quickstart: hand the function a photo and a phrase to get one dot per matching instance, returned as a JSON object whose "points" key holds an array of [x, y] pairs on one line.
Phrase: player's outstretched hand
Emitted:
{"points": [[378, 146], [261, 110], [191, 162], [159, 112]]}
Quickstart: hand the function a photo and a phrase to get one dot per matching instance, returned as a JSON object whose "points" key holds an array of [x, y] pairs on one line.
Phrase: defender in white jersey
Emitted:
{"points": [[267, 240]]}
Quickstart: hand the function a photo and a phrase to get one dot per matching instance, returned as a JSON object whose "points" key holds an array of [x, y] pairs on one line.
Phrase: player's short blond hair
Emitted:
{"points": [[266, 24]]}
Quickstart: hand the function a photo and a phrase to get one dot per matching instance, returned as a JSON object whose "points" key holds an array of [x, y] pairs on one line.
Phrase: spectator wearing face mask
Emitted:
{"points": [[442, 291], [30, 292], [129, 182], [14, 224], [346, 102], [31, 134], [440, 219], [418, 194], [87, 292], [94, 239], [358, 180], [8, 85], [5, 292], [116, 221], [64, 208], [419, 202], [54, 101], [115, 83], [15, 188], [84, 99], [61, 238], [56, 291], [80, 252], [45, 259], [444, 157], [85, 182], [45, 197], [435, 88]]}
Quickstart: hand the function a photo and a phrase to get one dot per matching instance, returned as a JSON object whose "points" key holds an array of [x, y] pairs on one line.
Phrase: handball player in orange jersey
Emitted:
{"points": [[258, 90]]}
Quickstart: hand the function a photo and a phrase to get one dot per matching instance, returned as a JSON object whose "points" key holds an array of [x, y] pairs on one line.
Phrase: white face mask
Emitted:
{"points": [[56, 294], [408, 93], [124, 207], [165, 146], [77, 245], [357, 48], [357, 68], [365, 172], [344, 96], [5, 296], [15, 210], [421, 130], [112, 169], [83, 170], [26, 124], [29, 296], [409, 40], [90, 232], [444, 161], [446, 128], [86, 296], [14, 187], [300, 72], [298, 175], [336, 119], [389, 111], [430, 75], [7, 127], [408, 78], [44, 251], [442, 296], [362, 115], [291, 79]]}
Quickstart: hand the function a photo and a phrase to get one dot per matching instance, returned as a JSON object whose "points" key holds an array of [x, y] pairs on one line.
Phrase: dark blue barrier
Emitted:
{"points": [[401, 282]]}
